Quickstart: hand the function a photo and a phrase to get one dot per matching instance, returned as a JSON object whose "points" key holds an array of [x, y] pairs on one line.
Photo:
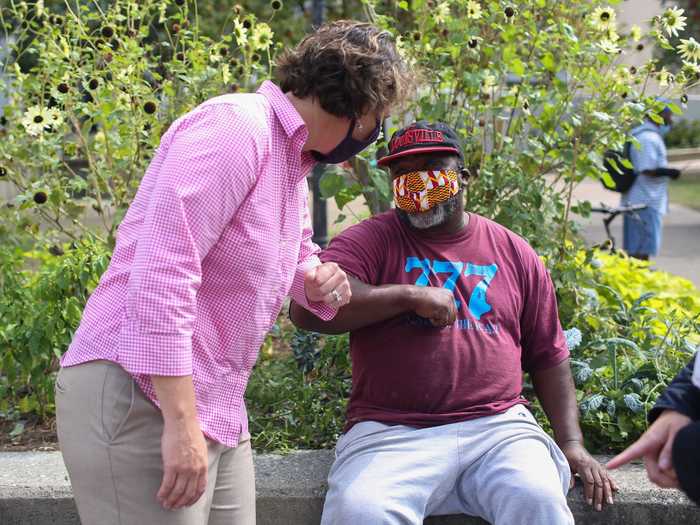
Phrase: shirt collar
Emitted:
{"points": [[292, 123], [285, 111]]}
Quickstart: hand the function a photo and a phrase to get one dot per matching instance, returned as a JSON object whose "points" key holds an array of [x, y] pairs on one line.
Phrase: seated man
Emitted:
{"points": [[448, 309]]}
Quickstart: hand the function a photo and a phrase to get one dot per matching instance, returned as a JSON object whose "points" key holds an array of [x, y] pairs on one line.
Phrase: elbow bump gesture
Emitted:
{"points": [[327, 283]]}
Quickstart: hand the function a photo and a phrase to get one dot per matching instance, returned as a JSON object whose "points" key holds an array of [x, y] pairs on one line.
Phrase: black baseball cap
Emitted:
{"points": [[422, 137]]}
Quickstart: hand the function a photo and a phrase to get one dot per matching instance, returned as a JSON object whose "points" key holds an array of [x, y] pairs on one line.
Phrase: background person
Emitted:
{"points": [[642, 230], [150, 395]]}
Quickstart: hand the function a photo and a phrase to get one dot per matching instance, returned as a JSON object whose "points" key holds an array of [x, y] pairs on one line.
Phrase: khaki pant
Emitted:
{"points": [[110, 436]]}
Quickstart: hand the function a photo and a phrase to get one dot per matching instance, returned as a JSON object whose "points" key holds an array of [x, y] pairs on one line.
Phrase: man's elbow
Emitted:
{"points": [[305, 320], [300, 317]]}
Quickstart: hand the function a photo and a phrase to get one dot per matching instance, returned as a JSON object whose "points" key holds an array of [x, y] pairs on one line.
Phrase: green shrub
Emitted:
{"points": [[538, 90], [298, 400], [684, 134], [633, 330], [42, 296]]}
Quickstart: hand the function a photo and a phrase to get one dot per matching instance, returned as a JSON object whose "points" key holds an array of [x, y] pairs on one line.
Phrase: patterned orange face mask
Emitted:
{"points": [[419, 191]]}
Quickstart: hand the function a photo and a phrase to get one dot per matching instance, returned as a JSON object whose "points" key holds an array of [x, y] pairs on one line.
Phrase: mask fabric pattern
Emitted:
{"points": [[419, 191]]}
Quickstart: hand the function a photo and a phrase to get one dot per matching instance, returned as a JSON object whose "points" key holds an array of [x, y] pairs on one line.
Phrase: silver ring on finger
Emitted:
{"points": [[338, 298]]}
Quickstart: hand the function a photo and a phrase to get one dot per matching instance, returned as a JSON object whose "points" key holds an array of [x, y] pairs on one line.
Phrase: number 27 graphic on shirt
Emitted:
{"points": [[478, 305]]}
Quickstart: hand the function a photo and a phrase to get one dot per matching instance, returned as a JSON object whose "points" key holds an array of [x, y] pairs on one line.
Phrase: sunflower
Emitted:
{"points": [[442, 12], [611, 34], [473, 10], [240, 32], [673, 21], [603, 17], [608, 46], [473, 42], [690, 49], [262, 36], [691, 70], [526, 107], [636, 33], [35, 120], [54, 118], [665, 77]]}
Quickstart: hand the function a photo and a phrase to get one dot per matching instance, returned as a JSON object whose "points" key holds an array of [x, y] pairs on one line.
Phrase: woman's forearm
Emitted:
{"points": [[176, 397]]}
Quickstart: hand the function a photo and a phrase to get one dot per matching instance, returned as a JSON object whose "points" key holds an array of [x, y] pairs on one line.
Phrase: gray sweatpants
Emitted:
{"points": [[503, 468]]}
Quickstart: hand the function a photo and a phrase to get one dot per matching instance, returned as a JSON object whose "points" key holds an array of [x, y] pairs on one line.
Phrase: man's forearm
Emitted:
{"points": [[556, 391], [369, 305], [663, 172]]}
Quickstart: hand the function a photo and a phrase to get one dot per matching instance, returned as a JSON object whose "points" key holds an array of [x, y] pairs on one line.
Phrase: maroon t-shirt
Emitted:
{"points": [[404, 370]]}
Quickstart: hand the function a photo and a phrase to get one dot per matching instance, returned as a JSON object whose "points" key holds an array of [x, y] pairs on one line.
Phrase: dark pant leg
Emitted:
{"points": [[686, 460]]}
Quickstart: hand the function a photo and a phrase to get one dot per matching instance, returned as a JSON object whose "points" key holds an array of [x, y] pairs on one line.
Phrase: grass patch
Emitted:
{"points": [[685, 191]]}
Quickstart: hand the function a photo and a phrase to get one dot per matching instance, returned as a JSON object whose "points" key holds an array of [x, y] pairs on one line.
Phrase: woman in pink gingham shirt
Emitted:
{"points": [[151, 418]]}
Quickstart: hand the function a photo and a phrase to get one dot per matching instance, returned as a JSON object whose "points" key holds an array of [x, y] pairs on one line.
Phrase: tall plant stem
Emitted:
{"points": [[567, 209]]}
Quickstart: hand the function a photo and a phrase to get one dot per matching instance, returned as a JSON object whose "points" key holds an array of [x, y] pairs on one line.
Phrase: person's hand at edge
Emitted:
{"points": [[656, 447]]}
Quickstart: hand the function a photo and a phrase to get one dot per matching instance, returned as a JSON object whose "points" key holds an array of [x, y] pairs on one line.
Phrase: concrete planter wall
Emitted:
{"points": [[34, 490]]}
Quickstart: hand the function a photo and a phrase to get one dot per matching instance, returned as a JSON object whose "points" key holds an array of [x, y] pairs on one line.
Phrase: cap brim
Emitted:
{"points": [[415, 151]]}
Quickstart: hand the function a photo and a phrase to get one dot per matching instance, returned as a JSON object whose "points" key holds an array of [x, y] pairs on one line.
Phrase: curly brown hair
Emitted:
{"points": [[350, 67]]}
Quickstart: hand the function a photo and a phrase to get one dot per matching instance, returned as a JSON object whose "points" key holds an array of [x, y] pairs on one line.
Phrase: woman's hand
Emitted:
{"points": [[327, 283], [184, 451], [183, 447]]}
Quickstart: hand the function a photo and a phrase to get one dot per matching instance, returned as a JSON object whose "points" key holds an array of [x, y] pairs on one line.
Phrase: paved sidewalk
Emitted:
{"points": [[680, 247]]}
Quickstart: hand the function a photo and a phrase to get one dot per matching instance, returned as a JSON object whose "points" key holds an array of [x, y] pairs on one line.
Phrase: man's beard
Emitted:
{"points": [[435, 216]]}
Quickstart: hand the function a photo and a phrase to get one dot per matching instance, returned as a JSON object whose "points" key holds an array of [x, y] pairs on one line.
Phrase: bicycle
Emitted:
{"points": [[610, 214]]}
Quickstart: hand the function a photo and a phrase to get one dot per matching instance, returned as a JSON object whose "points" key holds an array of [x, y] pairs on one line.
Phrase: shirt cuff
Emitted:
{"points": [[155, 354], [298, 292]]}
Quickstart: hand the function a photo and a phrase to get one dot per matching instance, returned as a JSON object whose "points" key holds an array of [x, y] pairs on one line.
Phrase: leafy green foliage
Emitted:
{"points": [[41, 309], [638, 329], [84, 115], [537, 91], [684, 134], [296, 403]]}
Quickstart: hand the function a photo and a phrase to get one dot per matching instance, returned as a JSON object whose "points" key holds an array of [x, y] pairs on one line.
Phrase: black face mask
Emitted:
{"points": [[348, 147]]}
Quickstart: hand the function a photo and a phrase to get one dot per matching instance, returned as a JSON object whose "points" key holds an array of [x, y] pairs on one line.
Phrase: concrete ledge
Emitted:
{"points": [[34, 490]]}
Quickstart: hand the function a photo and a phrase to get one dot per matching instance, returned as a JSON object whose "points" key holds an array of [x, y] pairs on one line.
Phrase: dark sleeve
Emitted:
{"points": [[681, 395], [542, 339], [359, 250]]}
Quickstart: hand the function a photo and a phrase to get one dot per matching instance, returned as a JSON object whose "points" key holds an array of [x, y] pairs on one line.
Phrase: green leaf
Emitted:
{"points": [[655, 117], [331, 183], [548, 62], [620, 341], [517, 67], [674, 108], [17, 430]]}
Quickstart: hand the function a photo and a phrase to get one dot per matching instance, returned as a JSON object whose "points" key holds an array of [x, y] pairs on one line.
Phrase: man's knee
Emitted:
{"points": [[357, 504], [534, 502]]}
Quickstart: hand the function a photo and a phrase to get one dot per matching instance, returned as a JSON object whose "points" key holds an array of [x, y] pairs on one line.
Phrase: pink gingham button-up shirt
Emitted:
{"points": [[218, 234]]}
